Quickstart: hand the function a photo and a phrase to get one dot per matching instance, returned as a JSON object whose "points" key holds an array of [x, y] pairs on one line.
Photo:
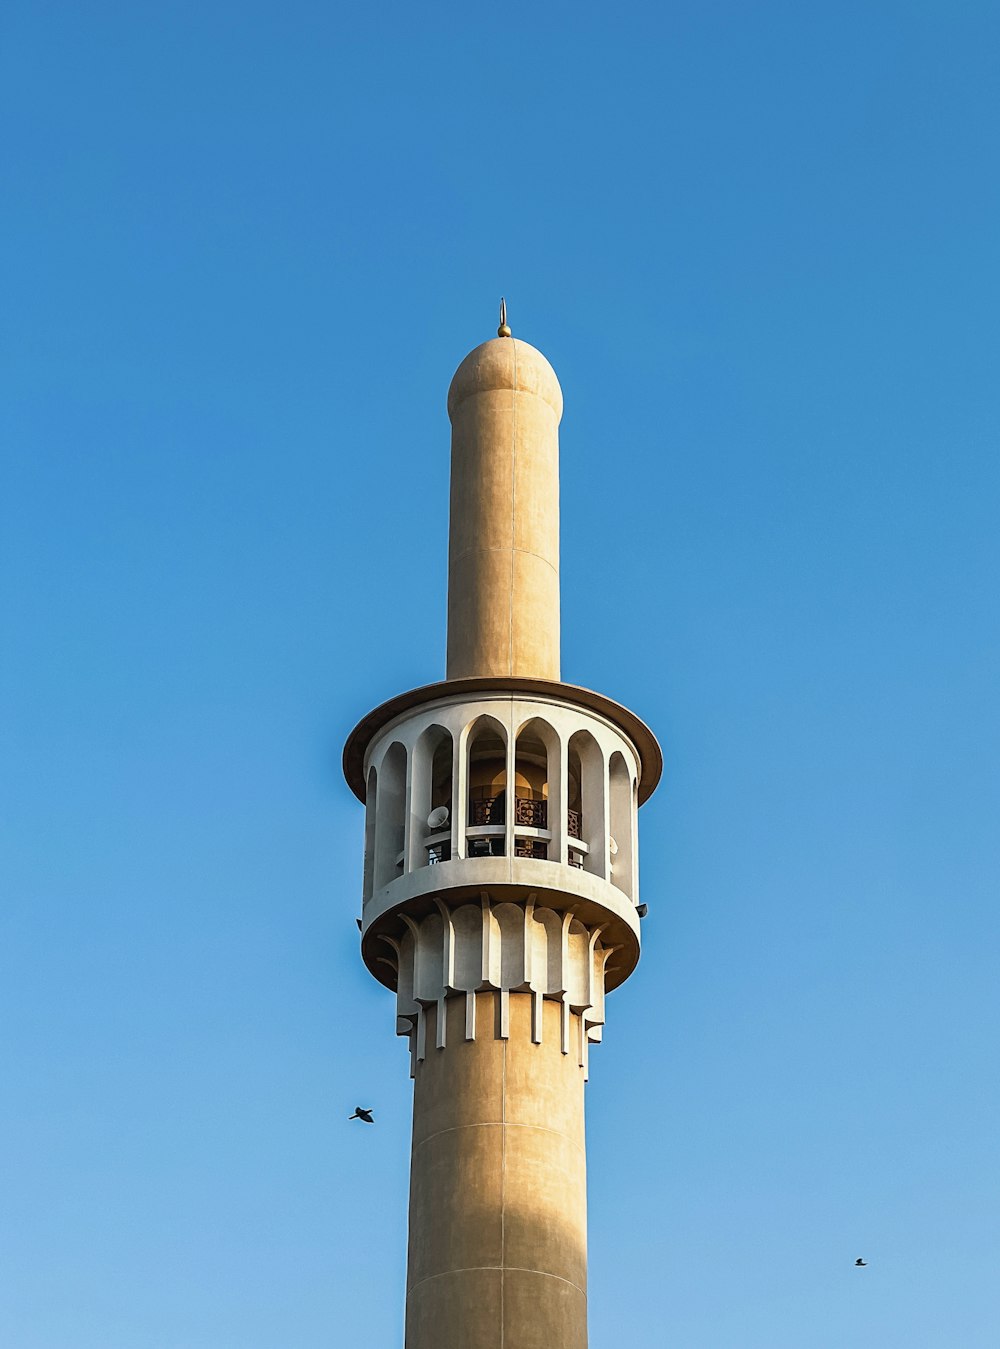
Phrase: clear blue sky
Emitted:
{"points": [[244, 248]]}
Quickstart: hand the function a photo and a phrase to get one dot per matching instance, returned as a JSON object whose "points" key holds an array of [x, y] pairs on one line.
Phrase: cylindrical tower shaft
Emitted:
{"points": [[498, 1206], [503, 558]]}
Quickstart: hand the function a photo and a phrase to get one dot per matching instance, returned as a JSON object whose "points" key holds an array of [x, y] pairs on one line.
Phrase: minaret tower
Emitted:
{"points": [[501, 887]]}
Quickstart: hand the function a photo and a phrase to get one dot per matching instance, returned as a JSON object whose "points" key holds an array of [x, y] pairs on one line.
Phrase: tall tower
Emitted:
{"points": [[501, 888]]}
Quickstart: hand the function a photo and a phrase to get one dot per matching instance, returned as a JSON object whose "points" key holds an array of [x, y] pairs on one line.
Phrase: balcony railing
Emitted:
{"points": [[534, 814], [488, 810], [531, 814], [484, 847], [488, 818], [493, 810]]}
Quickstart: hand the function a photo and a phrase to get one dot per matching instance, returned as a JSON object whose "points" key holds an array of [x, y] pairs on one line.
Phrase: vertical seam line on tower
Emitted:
{"points": [[513, 515], [503, 1186]]}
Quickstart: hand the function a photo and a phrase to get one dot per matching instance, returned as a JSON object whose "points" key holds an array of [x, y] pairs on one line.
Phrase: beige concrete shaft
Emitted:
{"points": [[503, 556], [498, 1197]]}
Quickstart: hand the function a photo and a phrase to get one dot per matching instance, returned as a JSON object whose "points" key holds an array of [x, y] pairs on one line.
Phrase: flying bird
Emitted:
{"points": [[361, 1113], [860, 1264]]}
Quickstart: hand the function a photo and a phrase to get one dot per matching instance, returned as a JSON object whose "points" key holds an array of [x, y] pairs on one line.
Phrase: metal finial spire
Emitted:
{"points": [[503, 330]]}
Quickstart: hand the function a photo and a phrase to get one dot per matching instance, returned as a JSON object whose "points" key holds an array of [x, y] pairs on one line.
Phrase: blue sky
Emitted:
{"points": [[244, 249]]}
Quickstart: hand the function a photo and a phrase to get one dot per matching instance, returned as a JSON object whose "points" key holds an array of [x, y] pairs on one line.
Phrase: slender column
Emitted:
{"points": [[503, 557], [498, 1203]]}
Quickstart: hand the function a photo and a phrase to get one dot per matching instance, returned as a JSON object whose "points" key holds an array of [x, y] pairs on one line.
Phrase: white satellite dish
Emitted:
{"points": [[438, 817], [612, 846]]}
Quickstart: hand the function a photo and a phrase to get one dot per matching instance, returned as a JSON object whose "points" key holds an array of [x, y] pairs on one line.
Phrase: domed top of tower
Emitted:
{"points": [[505, 363]]}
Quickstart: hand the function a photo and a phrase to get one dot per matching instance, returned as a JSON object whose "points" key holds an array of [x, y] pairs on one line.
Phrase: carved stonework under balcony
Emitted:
{"points": [[504, 947]]}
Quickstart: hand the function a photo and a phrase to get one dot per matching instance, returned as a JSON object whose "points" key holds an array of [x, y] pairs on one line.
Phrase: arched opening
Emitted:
{"points": [[390, 819], [431, 798], [586, 814], [532, 835], [368, 884], [487, 778], [621, 842]]}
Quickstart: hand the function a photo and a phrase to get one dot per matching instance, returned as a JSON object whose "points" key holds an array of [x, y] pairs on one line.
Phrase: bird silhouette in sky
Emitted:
{"points": [[361, 1113], [860, 1264]]}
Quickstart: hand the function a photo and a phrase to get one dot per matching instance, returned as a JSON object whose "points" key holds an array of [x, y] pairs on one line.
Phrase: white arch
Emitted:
{"points": [[390, 816], [538, 761], [621, 823], [588, 772], [431, 766], [368, 885], [484, 805]]}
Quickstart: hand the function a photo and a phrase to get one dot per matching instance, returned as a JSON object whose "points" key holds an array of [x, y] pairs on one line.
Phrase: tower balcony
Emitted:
{"points": [[510, 793]]}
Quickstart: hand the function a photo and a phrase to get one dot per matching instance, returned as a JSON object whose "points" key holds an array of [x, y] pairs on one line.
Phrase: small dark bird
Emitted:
{"points": [[361, 1113], [860, 1264]]}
